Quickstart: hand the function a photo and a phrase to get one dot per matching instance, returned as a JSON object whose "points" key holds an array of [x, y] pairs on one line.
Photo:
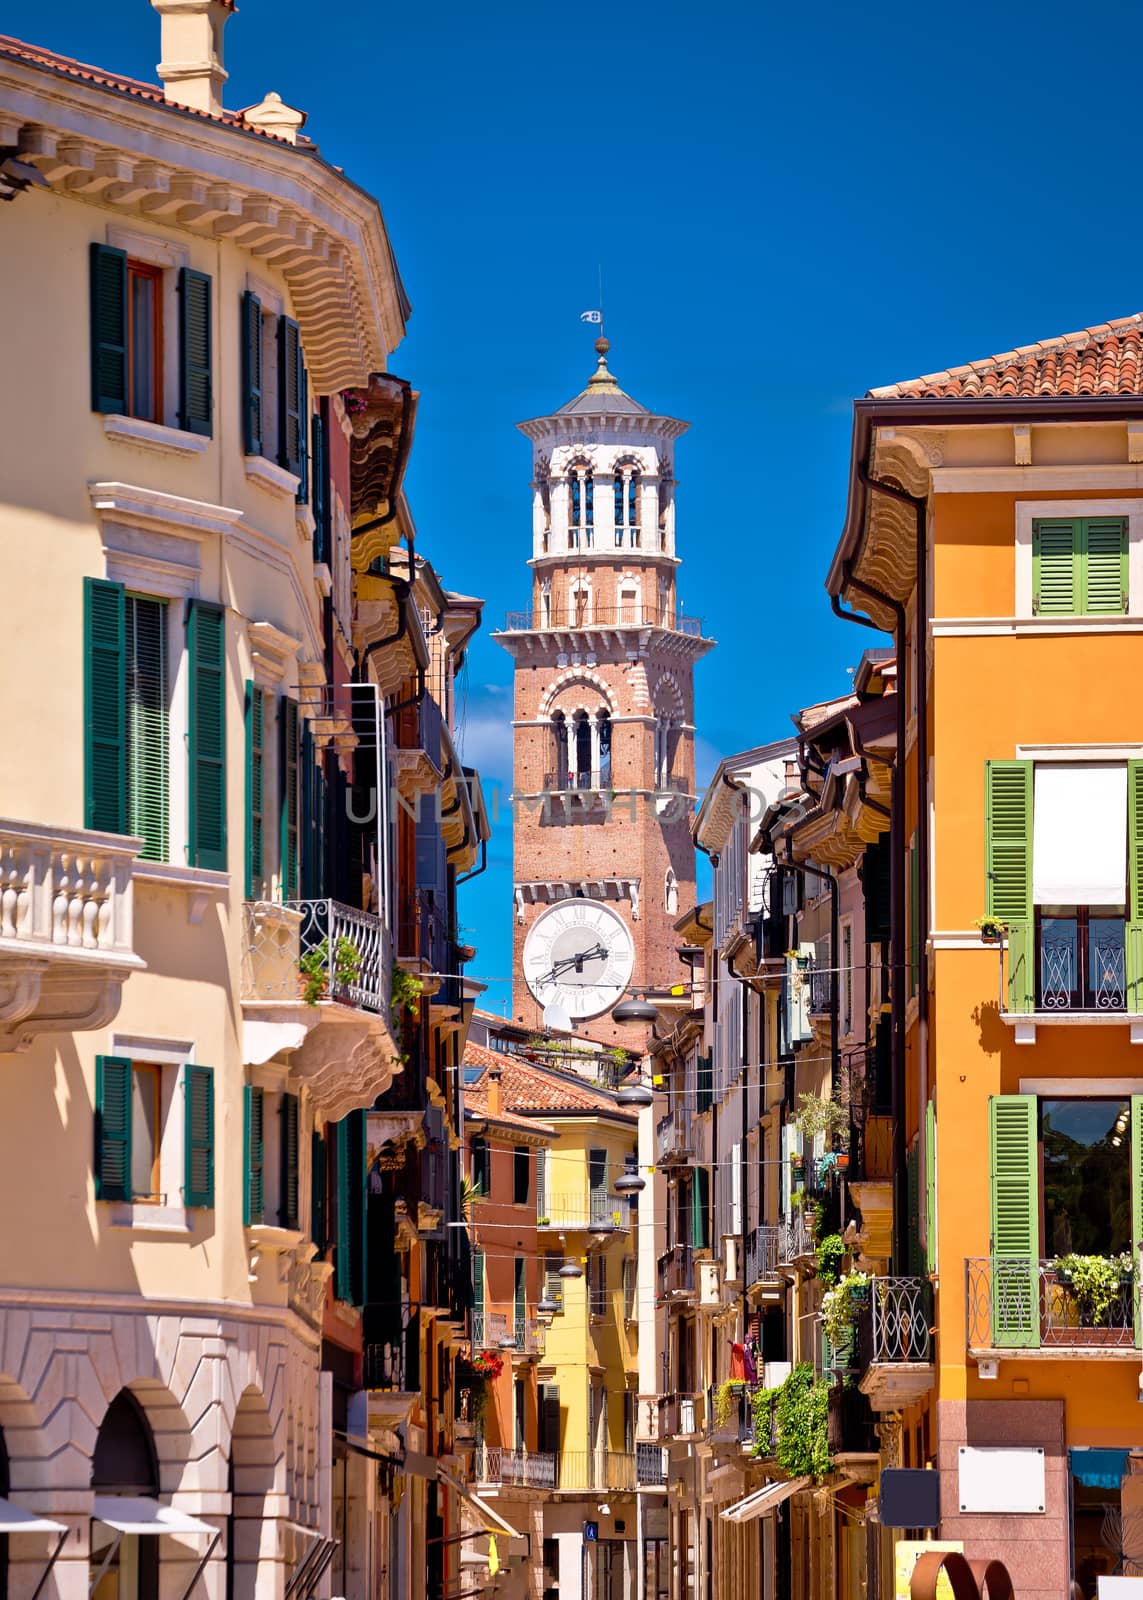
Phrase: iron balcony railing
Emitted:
{"points": [[349, 952], [635, 615], [680, 1415], [738, 1425], [795, 1238], [488, 1329], [524, 1469], [578, 1470], [676, 1271], [599, 778], [674, 1135], [1016, 1302], [761, 1254], [528, 1334], [394, 1363], [820, 981], [895, 1324], [650, 1465], [595, 1209]]}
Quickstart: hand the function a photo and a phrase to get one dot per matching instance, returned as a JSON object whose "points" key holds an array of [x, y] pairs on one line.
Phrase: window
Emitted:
{"points": [[1079, 566], [553, 1283], [154, 1132], [626, 507], [129, 341], [581, 528], [597, 1285], [275, 402], [521, 1174], [271, 1159], [481, 1167], [1086, 1152], [148, 756], [846, 979], [144, 341], [629, 1288], [519, 1299]]}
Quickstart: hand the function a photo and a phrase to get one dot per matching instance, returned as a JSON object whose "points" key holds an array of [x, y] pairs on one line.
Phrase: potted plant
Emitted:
{"points": [[992, 930], [314, 968], [1099, 1286], [724, 1398]]}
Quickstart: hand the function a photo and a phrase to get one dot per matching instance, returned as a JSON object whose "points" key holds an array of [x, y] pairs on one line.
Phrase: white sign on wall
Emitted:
{"points": [[999, 1480], [1120, 1589]]}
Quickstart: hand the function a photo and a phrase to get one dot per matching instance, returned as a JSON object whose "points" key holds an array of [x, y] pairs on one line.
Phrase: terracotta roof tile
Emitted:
{"points": [[36, 56], [526, 1087], [476, 1105], [1105, 359]]}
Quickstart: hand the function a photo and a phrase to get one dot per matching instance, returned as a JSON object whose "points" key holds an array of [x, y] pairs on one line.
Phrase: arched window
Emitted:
{"points": [[124, 1566], [581, 508], [603, 723], [581, 735], [560, 750], [671, 894], [250, 1480], [627, 506]]}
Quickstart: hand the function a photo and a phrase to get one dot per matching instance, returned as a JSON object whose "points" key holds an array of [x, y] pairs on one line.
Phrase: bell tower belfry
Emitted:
{"points": [[604, 785]]}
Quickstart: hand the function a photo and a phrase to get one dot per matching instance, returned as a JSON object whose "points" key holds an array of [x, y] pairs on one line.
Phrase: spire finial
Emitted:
{"points": [[601, 378], [602, 346]]}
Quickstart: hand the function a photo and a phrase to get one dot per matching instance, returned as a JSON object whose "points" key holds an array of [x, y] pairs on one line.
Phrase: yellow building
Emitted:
{"points": [[995, 527]]}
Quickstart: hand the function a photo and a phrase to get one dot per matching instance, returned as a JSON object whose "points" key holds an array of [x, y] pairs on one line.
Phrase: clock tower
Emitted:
{"points": [[604, 786]]}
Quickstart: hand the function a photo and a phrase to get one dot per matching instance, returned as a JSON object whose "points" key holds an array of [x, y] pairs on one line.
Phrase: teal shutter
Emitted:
{"points": [[253, 1189], [255, 772], [105, 706], [148, 753], [303, 493], [288, 1210], [930, 1187], [207, 738], [352, 1200], [196, 385], [290, 422], [313, 792], [1055, 566], [198, 1136], [1137, 1204], [359, 1146], [875, 878], [1105, 564], [1014, 1179], [112, 1128], [700, 1208], [1134, 952], [704, 1082], [342, 1256], [108, 329], [319, 1231], [319, 487], [289, 799], [478, 1282], [1008, 881], [251, 319]]}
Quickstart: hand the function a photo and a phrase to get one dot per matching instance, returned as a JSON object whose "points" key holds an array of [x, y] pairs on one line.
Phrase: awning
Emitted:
{"points": [[1099, 1469], [135, 1513], [492, 1520], [1079, 824], [14, 1519], [764, 1501]]}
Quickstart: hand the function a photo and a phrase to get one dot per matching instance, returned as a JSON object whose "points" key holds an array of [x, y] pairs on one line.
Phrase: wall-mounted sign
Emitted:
{"points": [[998, 1480], [910, 1498], [591, 1533]]}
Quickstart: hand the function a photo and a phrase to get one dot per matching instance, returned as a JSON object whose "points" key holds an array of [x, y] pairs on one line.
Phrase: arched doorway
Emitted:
{"points": [[252, 1468], [124, 1566]]}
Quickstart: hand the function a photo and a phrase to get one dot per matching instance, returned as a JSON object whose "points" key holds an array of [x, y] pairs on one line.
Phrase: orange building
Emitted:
{"points": [[995, 527]]}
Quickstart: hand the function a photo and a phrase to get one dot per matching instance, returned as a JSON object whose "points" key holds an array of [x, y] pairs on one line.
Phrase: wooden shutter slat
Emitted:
{"points": [[148, 753], [1008, 818], [1055, 567], [105, 703], [288, 1211], [112, 1128], [1014, 1174], [255, 773], [108, 271], [289, 396], [1105, 564], [196, 385], [253, 1192], [319, 488], [303, 493], [251, 318], [198, 1154], [289, 799], [207, 738]]}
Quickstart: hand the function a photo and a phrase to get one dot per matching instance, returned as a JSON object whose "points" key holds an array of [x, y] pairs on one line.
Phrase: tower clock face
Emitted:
{"points": [[579, 954]]}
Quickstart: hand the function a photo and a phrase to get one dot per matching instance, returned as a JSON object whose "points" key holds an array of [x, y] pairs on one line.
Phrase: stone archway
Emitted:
{"points": [[254, 1473]]}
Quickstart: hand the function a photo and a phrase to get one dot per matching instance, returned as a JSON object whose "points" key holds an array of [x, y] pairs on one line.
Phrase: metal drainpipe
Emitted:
{"points": [[897, 898]]}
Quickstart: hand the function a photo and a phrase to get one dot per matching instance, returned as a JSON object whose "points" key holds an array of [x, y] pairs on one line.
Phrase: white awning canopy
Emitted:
{"points": [[133, 1513], [492, 1520], [764, 1501], [1079, 833], [14, 1519]]}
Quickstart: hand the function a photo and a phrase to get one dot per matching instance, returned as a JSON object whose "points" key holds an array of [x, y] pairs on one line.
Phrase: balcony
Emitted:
{"points": [[1018, 1304], [517, 1469], [851, 1425], [819, 978], [795, 1239], [762, 1255], [66, 936], [674, 1137], [737, 1428], [391, 1371], [680, 1416], [1070, 969], [675, 1272], [315, 984], [593, 1211], [895, 1342], [650, 1466], [634, 615], [422, 932], [584, 1470]]}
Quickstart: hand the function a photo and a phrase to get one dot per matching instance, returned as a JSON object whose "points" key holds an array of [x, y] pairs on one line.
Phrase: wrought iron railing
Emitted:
{"points": [[598, 778], [488, 1329], [529, 1335], [597, 1208], [525, 1469], [674, 1135], [650, 1465], [349, 950], [737, 1427], [821, 980], [795, 1238], [676, 1270], [394, 1363], [761, 1253], [422, 929], [896, 1323], [1015, 1302], [1097, 981], [635, 615], [680, 1415], [596, 1469]]}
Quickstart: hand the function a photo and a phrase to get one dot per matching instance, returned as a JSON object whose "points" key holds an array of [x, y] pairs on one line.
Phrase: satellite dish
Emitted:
{"points": [[556, 1017]]}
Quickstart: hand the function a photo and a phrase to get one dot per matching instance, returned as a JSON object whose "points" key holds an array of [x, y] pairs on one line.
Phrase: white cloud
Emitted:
{"points": [[486, 744]]}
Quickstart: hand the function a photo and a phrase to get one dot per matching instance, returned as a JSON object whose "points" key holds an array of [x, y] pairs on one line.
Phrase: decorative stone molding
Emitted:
{"points": [[575, 675], [154, 436]]}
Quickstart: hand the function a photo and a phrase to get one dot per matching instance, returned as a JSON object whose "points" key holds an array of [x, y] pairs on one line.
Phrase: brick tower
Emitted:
{"points": [[604, 715]]}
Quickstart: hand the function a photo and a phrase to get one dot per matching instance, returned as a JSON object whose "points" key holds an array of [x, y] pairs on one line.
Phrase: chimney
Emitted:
{"points": [[191, 49], [494, 1105]]}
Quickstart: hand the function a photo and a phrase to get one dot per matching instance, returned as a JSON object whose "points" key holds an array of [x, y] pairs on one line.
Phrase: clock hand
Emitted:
{"points": [[598, 953]]}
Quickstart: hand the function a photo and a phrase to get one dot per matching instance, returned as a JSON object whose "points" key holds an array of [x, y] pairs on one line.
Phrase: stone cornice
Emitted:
{"points": [[282, 203]]}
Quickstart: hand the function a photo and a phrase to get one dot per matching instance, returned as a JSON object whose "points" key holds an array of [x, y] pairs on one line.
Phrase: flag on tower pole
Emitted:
{"points": [[591, 316]]}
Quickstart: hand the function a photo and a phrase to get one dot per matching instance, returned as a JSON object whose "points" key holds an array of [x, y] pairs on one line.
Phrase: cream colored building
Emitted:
{"points": [[188, 291]]}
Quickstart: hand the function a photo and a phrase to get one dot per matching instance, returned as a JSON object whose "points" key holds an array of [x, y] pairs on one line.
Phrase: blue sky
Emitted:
{"points": [[790, 205]]}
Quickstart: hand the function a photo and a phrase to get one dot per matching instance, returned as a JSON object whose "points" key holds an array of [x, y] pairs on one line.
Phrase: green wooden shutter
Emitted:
{"points": [[1008, 880], [1104, 564], [207, 739], [342, 1255], [359, 1146], [105, 706], [319, 487], [913, 1213], [251, 319], [704, 1082], [1134, 952], [289, 396], [288, 1209], [914, 915], [112, 1128], [303, 493], [196, 385], [1137, 1205], [352, 1200], [930, 1187], [319, 1231], [148, 752], [313, 798], [255, 772], [289, 799], [253, 1189], [198, 1136], [1014, 1178], [700, 1208], [1055, 566], [108, 329], [478, 1282], [876, 869]]}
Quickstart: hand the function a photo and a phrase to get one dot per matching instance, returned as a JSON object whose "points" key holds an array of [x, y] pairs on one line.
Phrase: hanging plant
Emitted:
{"points": [[830, 1251], [1097, 1283], [839, 1308], [405, 994], [314, 967], [487, 1364], [724, 1398], [799, 1410]]}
